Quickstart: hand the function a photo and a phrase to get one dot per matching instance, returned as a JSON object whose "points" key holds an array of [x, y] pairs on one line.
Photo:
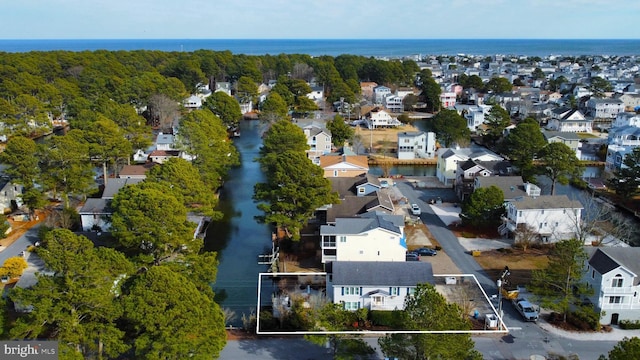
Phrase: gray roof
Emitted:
{"points": [[511, 186], [164, 139], [381, 273], [364, 223], [547, 202], [561, 134], [606, 101], [606, 259], [114, 185], [95, 206]]}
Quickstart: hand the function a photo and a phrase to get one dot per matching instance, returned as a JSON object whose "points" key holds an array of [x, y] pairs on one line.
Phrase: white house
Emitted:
{"points": [[95, 214], [380, 92], [551, 217], [612, 273], [10, 197], [380, 118], [316, 94], [569, 120], [626, 119], [319, 141], [448, 159], [604, 108], [448, 100], [393, 103], [164, 142], [622, 140], [193, 102], [474, 114], [416, 144], [369, 237], [375, 285]]}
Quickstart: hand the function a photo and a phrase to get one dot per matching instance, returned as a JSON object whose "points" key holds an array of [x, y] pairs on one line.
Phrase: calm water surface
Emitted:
{"points": [[238, 238]]}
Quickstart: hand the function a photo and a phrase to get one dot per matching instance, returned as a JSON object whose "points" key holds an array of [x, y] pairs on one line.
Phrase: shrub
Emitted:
{"points": [[392, 319], [584, 319], [629, 324]]}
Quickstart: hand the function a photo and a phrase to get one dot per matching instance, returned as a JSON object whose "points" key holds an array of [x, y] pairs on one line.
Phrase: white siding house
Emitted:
{"points": [[604, 108], [370, 237], [416, 144], [319, 141], [552, 217], [380, 92], [375, 285], [568, 120], [448, 159], [612, 272]]}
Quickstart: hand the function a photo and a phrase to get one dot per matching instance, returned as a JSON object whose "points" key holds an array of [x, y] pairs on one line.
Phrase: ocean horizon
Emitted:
{"points": [[391, 48]]}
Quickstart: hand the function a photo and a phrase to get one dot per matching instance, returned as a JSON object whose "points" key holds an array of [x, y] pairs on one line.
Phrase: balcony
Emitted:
{"points": [[618, 290]]}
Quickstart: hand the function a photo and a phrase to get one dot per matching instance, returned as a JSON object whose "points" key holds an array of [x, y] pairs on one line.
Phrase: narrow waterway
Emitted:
{"points": [[238, 238]]}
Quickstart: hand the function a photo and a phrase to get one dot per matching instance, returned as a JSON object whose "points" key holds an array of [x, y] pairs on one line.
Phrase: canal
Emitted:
{"points": [[238, 238]]}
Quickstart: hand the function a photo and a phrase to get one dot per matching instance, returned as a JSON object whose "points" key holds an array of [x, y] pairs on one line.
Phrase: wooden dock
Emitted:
{"points": [[376, 160]]}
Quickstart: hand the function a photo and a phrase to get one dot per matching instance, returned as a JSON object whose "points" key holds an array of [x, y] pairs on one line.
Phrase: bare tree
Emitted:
{"points": [[358, 145], [163, 110], [464, 297], [302, 71], [525, 236]]}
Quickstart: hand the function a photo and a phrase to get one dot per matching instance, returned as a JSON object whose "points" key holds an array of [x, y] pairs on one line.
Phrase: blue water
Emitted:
{"points": [[316, 47]]}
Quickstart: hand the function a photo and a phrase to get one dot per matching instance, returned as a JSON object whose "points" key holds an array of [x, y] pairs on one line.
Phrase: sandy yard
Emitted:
{"points": [[380, 138]]}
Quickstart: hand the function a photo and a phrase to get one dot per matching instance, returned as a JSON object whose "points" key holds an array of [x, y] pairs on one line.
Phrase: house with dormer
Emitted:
{"points": [[372, 236], [614, 275], [375, 285], [565, 119], [416, 145]]}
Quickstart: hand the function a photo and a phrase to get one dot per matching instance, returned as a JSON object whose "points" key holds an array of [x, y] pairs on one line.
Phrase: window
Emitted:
{"points": [[351, 305], [343, 239], [353, 290], [411, 291], [593, 274], [617, 281], [615, 299], [395, 291]]}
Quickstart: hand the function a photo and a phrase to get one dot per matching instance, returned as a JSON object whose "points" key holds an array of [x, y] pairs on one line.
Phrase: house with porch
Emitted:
{"points": [[604, 108], [375, 285], [550, 217], [319, 141], [613, 274], [378, 117], [569, 120], [416, 145], [372, 236], [380, 92]]}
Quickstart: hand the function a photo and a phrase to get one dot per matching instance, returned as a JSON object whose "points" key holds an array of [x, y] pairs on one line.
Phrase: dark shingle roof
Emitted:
{"points": [[381, 273], [547, 202], [606, 259]]}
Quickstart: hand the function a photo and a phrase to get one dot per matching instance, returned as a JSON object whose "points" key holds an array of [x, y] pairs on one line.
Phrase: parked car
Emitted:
{"points": [[415, 210], [426, 252], [412, 256]]}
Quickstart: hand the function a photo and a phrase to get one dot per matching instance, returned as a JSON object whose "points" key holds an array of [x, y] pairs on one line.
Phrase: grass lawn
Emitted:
{"points": [[586, 135]]}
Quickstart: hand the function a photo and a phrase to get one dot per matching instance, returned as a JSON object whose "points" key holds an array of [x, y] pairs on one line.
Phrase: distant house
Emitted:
{"points": [[135, 171], [375, 285], [380, 93], [344, 165], [164, 142], [448, 100], [571, 139], [316, 94], [604, 108], [393, 103], [96, 213], [160, 156], [416, 144], [319, 141], [468, 171], [474, 114], [10, 197], [369, 237], [626, 119], [378, 117], [223, 86], [614, 275], [621, 141], [631, 101], [448, 159], [569, 120], [193, 102], [551, 217]]}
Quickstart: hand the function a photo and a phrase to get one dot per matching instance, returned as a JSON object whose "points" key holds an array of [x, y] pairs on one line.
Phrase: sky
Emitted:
{"points": [[319, 19]]}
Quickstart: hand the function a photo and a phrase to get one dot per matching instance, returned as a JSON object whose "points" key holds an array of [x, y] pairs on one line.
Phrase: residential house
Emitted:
{"points": [[319, 141], [402, 92], [378, 117], [551, 217], [95, 214], [140, 156], [565, 119], [160, 156], [571, 139], [448, 100], [621, 141], [626, 119], [372, 236], [10, 197], [316, 94], [474, 114], [613, 274], [448, 159], [513, 187], [164, 142], [375, 285], [416, 144], [193, 102], [138, 171], [358, 195], [366, 89], [380, 92], [468, 171], [223, 86], [344, 165], [631, 101], [604, 108], [394, 104]]}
